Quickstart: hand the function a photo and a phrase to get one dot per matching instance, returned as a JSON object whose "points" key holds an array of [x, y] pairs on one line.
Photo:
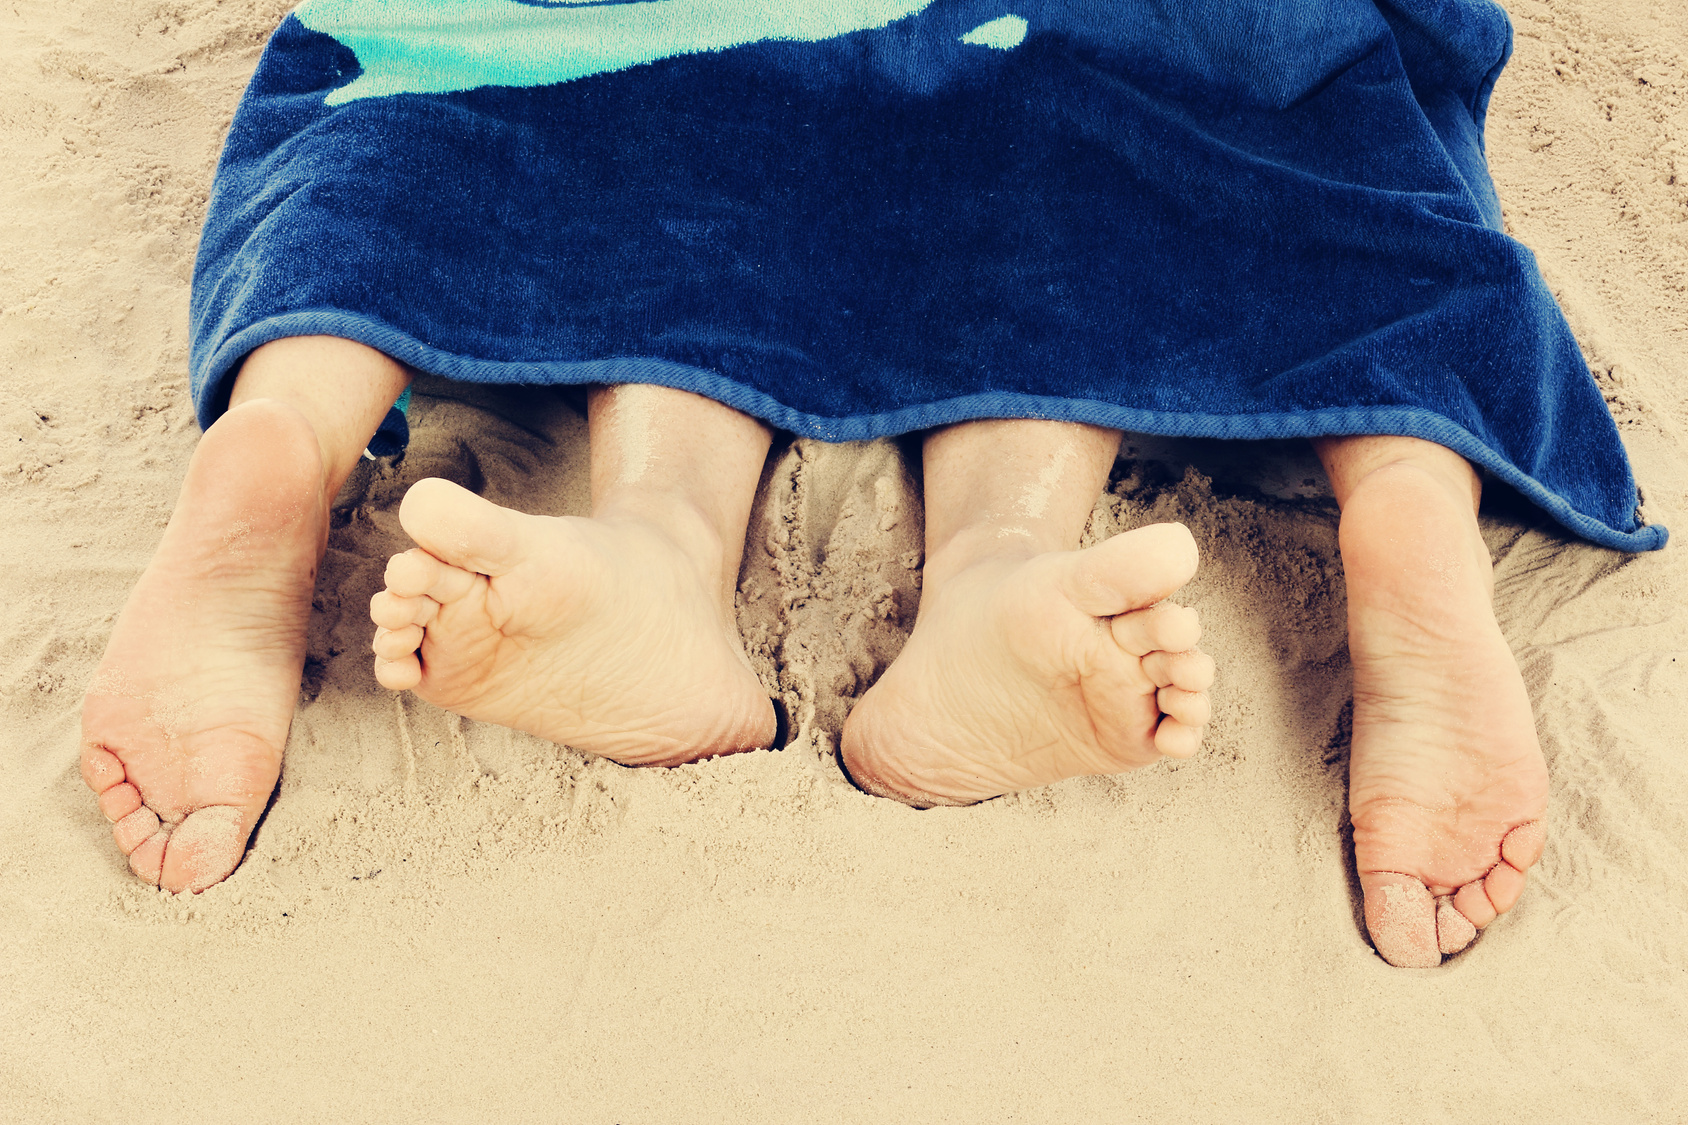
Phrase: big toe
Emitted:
{"points": [[204, 849], [1131, 571], [466, 530], [1401, 918]]}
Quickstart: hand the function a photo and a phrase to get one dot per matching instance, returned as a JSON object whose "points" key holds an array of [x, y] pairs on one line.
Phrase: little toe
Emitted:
{"points": [[1130, 571], [1454, 930], [1190, 708], [1474, 904], [398, 675], [1166, 628], [1192, 670], [1401, 918], [204, 849], [392, 644], [119, 801], [1522, 846], [1176, 739], [390, 611], [1503, 885], [135, 829]]}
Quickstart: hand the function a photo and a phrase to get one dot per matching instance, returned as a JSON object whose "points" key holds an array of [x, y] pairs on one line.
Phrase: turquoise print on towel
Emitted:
{"points": [[437, 46], [1004, 33]]}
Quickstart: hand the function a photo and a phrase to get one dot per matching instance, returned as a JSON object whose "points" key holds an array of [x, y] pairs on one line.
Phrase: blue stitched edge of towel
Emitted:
{"points": [[1398, 420]]}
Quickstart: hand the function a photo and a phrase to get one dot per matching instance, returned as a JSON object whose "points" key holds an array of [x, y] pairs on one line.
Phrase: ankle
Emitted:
{"points": [[689, 526], [255, 478], [1408, 527], [1350, 460], [985, 543], [1453, 478], [1411, 492], [285, 422], [272, 442]]}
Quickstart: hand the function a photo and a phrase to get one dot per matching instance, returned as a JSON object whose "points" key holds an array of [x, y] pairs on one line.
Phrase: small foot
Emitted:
{"points": [[1447, 785], [606, 635], [1021, 672], [184, 723]]}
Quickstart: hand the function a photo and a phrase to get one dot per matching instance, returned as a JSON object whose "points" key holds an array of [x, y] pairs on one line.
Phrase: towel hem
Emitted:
{"points": [[1404, 421]]}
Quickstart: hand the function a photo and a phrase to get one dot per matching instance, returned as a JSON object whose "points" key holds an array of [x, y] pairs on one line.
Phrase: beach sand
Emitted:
{"points": [[448, 921]]}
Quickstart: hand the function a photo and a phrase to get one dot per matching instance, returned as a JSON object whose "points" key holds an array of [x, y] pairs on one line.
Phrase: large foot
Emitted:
{"points": [[1447, 786], [184, 723], [607, 635], [1021, 672]]}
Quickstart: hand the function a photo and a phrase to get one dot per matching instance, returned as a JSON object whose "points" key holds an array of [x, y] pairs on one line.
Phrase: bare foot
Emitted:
{"points": [[185, 721], [1023, 671], [608, 635], [1447, 786]]}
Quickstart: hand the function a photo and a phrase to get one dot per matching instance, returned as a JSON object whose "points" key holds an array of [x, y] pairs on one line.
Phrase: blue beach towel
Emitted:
{"points": [[855, 218]]}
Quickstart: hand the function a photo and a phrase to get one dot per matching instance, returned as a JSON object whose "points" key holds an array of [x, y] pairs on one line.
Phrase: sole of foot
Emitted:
{"points": [[605, 635], [1447, 785], [1022, 672], [185, 721]]}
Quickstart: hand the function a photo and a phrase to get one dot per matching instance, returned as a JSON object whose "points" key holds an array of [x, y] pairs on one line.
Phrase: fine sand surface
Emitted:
{"points": [[447, 921]]}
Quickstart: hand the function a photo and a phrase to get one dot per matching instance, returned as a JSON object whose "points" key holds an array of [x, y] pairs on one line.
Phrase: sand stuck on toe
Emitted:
{"points": [[446, 921]]}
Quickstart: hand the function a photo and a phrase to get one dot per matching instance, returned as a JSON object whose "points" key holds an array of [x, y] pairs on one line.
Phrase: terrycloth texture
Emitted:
{"points": [[1226, 218]]}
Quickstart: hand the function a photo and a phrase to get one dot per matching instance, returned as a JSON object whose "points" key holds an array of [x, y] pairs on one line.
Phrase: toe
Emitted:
{"points": [[1503, 885], [1401, 918], [119, 801], [410, 573], [1176, 739], [1192, 670], [1190, 708], [101, 769], [392, 644], [134, 830], [1522, 846], [398, 675], [390, 611], [1454, 930], [454, 525], [147, 860], [1130, 571], [1166, 628], [417, 573], [1474, 904], [204, 849]]}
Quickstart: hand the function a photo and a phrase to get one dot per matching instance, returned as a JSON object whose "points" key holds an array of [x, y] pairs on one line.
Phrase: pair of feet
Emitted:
{"points": [[606, 635]]}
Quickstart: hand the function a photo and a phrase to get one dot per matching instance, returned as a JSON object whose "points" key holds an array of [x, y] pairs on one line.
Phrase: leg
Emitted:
{"points": [[1447, 786], [184, 723], [615, 634], [1030, 660]]}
